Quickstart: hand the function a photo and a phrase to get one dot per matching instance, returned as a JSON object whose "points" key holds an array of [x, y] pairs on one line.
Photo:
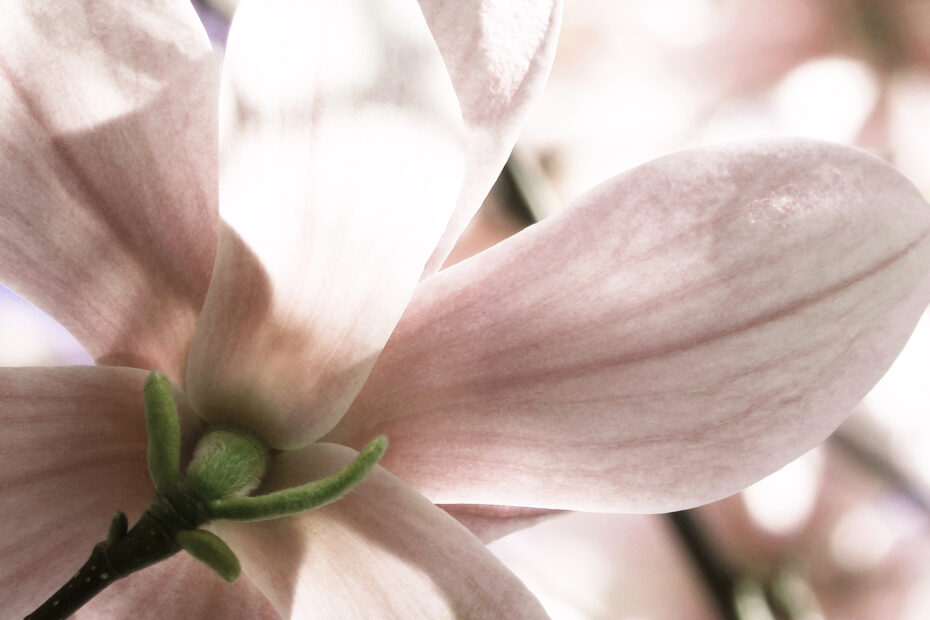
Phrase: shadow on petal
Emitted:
{"points": [[111, 228]]}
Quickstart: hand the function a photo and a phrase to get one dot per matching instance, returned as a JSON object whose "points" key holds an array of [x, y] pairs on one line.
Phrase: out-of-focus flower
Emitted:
{"points": [[681, 331], [608, 566], [633, 80]]}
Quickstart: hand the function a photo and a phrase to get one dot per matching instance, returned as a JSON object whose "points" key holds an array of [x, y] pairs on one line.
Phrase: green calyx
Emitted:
{"points": [[228, 464]]}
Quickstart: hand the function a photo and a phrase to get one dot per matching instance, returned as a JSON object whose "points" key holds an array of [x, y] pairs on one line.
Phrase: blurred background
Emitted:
{"points": [[842, 533]]}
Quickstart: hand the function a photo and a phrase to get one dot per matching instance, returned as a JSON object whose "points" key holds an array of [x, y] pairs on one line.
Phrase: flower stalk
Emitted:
{"points": [[227, 465], [145, 544]]}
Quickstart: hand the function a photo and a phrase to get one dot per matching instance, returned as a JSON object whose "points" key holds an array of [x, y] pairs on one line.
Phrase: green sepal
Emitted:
{"points": [[212, 551], [161, 423], [305, 497]]}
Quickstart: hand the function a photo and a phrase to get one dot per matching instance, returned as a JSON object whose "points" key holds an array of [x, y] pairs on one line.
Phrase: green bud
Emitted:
{"points": [[226, 463]]}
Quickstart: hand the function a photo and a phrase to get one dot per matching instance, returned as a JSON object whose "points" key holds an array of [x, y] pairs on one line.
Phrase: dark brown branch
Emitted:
{"points": [[145, 544], [719, 580]]}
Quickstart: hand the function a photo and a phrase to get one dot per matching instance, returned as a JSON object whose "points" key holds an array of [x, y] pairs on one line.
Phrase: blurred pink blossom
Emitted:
{"points": [[633, 80]]}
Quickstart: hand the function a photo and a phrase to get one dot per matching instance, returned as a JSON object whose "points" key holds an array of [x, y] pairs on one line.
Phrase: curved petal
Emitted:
{"points": [[683, 330], [382, 551], [180, 588], [489, 523], [108, 167], [339, 169], [498, 54]]}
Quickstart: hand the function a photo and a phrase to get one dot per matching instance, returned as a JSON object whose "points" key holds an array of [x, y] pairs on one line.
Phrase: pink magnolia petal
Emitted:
{"points": [[489, 523], [383, 551], [72, 453], [683, 330], [498, 54], [340, 164], [108, 169], [180, 588]]}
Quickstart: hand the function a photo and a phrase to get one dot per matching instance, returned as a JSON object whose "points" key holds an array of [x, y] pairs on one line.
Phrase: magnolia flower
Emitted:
{"points": [[682, 330]]}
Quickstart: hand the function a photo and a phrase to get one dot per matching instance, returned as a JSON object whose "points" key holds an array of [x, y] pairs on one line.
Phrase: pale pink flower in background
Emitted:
{"points": [[633, 80], [681, 331], [861, 551], [584, 565]]}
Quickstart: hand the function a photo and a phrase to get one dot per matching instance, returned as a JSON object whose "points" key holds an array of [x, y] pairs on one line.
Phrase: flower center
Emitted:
{"points": [[228, 464]]}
